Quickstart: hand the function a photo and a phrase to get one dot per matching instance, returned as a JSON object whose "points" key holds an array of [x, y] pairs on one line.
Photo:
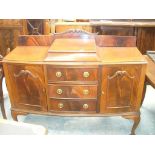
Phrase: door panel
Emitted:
{"points": [[120, 86], [27, 86]]}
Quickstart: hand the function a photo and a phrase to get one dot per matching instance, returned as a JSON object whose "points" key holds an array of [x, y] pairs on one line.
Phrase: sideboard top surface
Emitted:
{"points": [[120, 54], [74, 50], [27, 53]]}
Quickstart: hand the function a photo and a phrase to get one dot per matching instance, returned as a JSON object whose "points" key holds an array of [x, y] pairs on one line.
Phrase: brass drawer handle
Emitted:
{"points": [[86, 92], [85, 106], [60, 105], [86, 74], [58, 74], [59, 91]]}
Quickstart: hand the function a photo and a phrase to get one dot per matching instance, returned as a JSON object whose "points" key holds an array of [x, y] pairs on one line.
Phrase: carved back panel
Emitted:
{"points": [[101, 40], [46, 40], [75, 33]]}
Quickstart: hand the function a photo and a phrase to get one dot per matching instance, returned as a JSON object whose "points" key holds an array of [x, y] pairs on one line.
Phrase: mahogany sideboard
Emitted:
{"points": [[76, 74]]}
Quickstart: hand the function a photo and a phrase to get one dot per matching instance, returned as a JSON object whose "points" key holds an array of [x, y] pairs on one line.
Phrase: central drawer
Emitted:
{"points": [[72, 91], [71, 74], [72, 105]]}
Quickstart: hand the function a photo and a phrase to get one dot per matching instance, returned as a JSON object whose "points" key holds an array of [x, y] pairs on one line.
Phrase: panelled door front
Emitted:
{"points": [[120, 85], [27, 86]]}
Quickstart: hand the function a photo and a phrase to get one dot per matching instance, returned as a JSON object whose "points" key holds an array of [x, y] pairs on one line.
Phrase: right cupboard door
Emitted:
{"points": [[121, 89]]}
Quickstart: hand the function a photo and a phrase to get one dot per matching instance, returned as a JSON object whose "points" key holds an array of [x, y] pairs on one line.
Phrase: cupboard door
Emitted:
{"points": [[26, 86], [121, 88]]}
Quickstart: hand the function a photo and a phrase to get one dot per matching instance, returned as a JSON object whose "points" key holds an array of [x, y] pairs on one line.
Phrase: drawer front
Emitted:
{"points": [[72, 91], [71, 105], [71, 74]]}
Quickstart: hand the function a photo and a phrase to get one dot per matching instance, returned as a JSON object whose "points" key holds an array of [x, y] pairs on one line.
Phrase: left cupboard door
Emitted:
{"points": [[26, 86]]}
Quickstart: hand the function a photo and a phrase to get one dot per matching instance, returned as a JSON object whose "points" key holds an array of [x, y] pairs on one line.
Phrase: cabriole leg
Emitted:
{"points": [[14, 114], [136, 119]]}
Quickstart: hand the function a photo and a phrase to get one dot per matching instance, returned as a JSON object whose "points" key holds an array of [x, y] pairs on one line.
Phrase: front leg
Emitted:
{"points": [[135, 125], [136, 119], [14, 114]]}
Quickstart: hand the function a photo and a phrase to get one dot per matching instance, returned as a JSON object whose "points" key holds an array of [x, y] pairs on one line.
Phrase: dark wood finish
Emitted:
{"points": [[114, 85], [143, 29], [101, 40], [72, 105], [111, 30], [71, 74], [146, 39], [99, 88], [115, 41], [120, 88], [28, 81], [72, 91], [35, 40], [144, 91], [46, 40], [143, 39], [9, 32]]}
